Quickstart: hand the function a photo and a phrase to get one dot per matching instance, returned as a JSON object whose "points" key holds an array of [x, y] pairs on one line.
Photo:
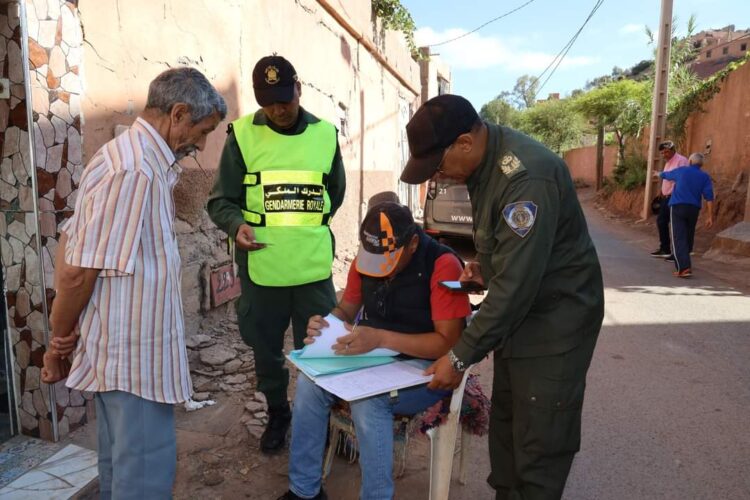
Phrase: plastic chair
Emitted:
{"points": [[443, 445]]}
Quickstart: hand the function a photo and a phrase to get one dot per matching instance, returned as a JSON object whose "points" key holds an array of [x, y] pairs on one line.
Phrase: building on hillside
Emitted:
{"points": [[717, 48], [63, 94], [552, 96]]}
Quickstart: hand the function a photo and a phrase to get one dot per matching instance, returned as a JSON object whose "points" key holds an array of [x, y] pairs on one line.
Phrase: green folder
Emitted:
{"points": [[315, 367]]}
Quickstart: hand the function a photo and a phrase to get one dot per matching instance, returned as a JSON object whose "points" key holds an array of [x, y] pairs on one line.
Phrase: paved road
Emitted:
{"points": [[667, 411], [668, 399]]}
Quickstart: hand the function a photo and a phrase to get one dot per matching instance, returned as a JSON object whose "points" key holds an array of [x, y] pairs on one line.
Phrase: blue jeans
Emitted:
{"points": [[137, 447], [373, 422]]}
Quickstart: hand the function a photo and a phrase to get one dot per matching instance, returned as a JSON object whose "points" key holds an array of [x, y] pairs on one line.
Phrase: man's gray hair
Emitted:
{"points": [[188, 86], [696, 159]]}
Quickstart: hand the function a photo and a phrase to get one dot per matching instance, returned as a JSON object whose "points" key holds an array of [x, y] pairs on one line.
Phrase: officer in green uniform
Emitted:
{"points": [[280, 181], [545, 301]]}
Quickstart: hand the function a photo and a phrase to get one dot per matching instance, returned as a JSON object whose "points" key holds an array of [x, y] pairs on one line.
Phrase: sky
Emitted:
{"points": [[489, 61]]}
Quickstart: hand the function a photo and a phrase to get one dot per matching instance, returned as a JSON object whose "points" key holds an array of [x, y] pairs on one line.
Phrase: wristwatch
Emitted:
{"points": [[457, 364]]}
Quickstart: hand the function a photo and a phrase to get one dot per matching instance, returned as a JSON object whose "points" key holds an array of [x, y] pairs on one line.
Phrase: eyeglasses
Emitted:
{"points": [[439, 169]]}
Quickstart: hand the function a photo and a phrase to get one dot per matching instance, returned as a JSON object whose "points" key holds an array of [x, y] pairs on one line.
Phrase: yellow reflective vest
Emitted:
{"points": [[287, 202]]}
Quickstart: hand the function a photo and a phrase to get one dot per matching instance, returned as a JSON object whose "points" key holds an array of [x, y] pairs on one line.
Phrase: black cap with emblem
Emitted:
{"points": [[435, 126], [274, 79]]}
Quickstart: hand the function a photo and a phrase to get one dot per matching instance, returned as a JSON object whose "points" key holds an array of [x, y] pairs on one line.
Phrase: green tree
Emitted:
{"points": [[499, 111], [620, 106], [556, 123], [525, 91]]}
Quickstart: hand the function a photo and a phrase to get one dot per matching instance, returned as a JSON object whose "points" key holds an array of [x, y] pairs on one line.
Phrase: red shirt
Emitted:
{"points": [[444, 304]]}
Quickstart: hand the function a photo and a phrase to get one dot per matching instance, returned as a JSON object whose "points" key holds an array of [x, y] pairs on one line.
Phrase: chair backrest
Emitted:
{"points": [[458, 393]]}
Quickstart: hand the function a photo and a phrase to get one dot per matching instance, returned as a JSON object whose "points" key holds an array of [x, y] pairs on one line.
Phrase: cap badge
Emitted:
{"points": [[272, 75]]}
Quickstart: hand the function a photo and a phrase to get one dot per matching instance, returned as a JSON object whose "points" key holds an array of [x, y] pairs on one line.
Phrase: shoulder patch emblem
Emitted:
{"points": [[520, 216], [510, 165]]}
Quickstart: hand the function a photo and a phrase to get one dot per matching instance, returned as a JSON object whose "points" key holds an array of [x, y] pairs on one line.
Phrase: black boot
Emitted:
{"points": [[274, 436], [291, 496]]}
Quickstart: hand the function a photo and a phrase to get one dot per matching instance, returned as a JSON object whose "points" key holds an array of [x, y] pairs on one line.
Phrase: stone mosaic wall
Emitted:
{"points": [[55, 55], [18, 246], [55, 52]]}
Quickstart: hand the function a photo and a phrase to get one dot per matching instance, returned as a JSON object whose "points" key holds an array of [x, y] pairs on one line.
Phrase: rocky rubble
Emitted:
{"points": [[221, 363]]}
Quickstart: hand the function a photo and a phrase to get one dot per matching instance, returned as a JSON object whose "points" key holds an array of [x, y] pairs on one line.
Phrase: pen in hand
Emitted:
{"points": [[357, 319]]}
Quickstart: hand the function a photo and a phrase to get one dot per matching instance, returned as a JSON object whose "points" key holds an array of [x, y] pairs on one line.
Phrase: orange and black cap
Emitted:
{"points": [[388, 227]]}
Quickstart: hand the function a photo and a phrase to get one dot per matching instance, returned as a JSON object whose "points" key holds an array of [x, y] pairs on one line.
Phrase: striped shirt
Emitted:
{"points": [[132, 330]]}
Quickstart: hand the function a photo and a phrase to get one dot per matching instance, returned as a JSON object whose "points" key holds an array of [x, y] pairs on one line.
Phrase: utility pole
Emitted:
{"points": [[659, 101], [599, 156]]}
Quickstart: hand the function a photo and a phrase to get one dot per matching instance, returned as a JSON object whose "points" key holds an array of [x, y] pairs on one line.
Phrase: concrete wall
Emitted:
{"points": [[582, 163], [724, 127], [128, 44]]}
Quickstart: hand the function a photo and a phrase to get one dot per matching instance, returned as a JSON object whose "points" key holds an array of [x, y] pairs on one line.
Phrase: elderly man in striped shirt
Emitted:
{"points": [[118, 287]]}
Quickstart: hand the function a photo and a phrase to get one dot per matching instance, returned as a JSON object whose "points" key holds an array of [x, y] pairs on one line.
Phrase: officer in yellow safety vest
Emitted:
{"points": [[280, 180]]}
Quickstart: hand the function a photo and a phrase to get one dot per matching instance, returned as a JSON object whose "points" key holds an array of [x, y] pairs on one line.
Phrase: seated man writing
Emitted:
{"points": [[395, 279]]}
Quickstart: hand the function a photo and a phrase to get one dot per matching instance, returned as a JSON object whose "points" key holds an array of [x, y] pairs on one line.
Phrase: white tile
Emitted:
{"points": [[58, 477]]}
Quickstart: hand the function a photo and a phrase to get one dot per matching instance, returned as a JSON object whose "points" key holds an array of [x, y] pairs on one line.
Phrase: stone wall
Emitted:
{"points": [[19, 239], [55, 57], [38, 197]]}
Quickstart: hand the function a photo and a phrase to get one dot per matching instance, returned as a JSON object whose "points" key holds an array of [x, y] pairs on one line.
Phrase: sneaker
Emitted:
{"points": [[669, 258], [660, 253], [274, 437], [289, 495], [685, 273]]}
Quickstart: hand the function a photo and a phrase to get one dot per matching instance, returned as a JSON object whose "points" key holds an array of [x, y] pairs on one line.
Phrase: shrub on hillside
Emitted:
{"points": [[630, 173]]}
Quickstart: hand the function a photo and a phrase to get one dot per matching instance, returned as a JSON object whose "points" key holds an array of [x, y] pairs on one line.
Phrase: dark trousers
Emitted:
{"points": [[535, 422], [662, 223], [264, 313], [684, 219]]}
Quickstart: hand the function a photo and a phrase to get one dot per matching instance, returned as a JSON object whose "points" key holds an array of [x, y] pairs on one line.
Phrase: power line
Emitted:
{"points": [[564, 51], [482, 26]]}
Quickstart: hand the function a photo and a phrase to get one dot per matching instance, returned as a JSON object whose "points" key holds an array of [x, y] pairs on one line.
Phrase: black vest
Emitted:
{"points": [[402, 304]]}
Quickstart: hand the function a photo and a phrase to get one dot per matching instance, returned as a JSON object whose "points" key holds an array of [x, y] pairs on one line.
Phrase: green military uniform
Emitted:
{"points": [[264, 312], [541, 316]]}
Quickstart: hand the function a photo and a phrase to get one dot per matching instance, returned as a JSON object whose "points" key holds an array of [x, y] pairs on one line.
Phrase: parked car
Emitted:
{"points": [[447, 210]]}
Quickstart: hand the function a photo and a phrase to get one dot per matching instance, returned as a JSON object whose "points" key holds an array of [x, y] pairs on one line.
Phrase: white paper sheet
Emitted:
{"points": [[323, 345], [376, 380]]}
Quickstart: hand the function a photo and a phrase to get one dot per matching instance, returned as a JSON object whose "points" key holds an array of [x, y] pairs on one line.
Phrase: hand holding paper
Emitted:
{"points": [[361, 340], [328, 343]]}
